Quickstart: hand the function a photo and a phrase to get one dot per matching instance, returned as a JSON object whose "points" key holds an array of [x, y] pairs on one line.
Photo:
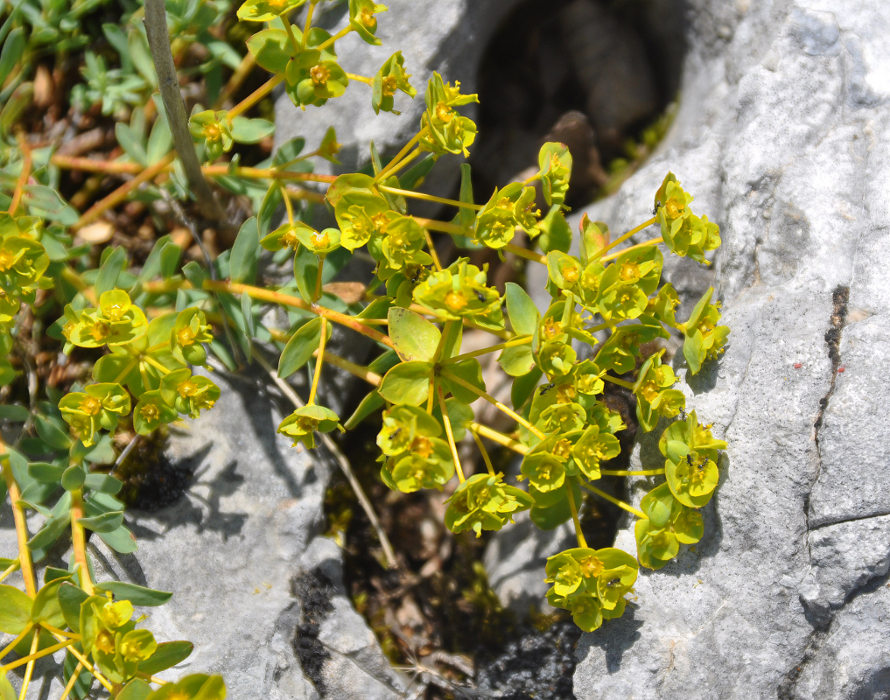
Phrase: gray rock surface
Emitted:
{"points": [[256, 587], [782, 137]]}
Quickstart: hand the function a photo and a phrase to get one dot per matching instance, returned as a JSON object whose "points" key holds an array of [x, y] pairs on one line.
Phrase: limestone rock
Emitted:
{"points": [[782, 136]]}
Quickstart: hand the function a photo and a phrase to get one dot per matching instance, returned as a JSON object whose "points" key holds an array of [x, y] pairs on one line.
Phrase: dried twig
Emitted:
{"points": [[343, 463], [159, 42]]}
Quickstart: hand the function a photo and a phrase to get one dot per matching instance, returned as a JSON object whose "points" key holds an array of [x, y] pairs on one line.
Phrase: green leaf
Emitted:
{"points": [[524, 387], [13, 50], [242, 262], [51, 531], [414, 337], [106, 522], [136, 689], [197, 686], [301, 346], [167, 654], [517, 361], [48, 203], [306, 273], [113, 262], [73, 477], [46, 606], [407, 383], [131, 142], [521, 310], [137, 595], [15, 609], [372, 403], [245, 130], [46, 473], [413, 177], [6, 690], [51, 433], [120, 540], [103, 482], [471, 372], [70, 598], [271, 48]]}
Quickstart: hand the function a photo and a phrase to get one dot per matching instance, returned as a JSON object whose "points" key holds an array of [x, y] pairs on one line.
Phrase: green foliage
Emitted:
{"points": [[146, 330]]}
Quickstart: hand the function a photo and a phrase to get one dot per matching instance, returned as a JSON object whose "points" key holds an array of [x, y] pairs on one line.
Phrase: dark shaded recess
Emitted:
{"points": [[533, 664], [150, 479], [314, 590], [588, 73]]}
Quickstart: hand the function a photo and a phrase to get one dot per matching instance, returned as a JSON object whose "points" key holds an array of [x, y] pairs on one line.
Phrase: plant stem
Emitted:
{"points": [[428, 197], [330, 40], [236, 79], [613, 500], [396, 162], [494, 402], [29, 669], [79, 542], [23, 176], [34, 655], [450, 435], [360, 78], [524, 340], [71, 681], [631, 472], [122, 192], [11, 569], [499, 438], [255, 96], [307, 25], [21, 527], [456, 230], [644, 244], [159, 43], [354, 369], [319, 360], [19, 637], [483, 452], [619, 382], [290, 300], [623, 237], [575, 521], [89, 667]]}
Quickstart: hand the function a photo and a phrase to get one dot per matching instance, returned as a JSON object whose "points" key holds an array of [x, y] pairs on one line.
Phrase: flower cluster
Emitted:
{"points": [[591, 583], [148, 361], [683, 232]]}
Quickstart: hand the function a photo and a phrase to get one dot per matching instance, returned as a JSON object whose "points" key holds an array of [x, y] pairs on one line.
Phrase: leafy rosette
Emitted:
{"points": [[509, 208], [654, 392], [667, 525], [304, 422], [683, 232], [443, 129], [484, 502], [388, 79], [99, 406], [460, 291], [418, 458], [591, 583], [117, 321], [705, 340], [691, 454]]}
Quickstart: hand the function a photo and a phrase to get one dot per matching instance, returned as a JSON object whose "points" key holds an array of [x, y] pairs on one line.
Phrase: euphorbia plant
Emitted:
{"points": [[150, 328]]}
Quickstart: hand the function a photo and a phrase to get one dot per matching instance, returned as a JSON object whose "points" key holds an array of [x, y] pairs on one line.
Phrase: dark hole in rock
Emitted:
{"points": [[151, 480], [589, 73]]}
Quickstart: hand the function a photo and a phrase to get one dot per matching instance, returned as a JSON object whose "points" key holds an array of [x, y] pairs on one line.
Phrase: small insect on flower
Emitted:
{"points": [[840, 370], [655, 208], [797, 365], [547, 387], [480, 296], [614, 582]]}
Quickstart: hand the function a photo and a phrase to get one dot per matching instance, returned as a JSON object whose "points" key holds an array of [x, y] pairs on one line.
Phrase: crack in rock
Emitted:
{"points": [[840, 298]]}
